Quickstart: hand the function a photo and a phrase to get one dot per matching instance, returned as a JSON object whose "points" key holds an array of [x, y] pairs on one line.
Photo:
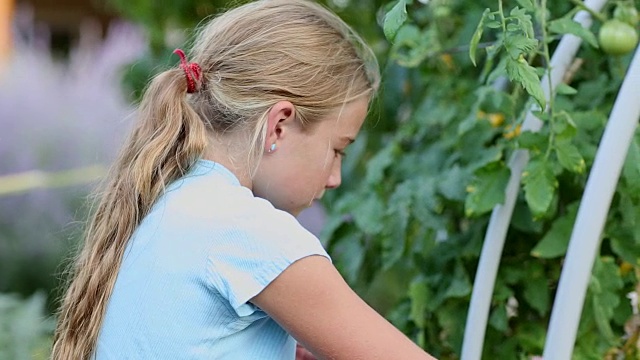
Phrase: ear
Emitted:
{"points": [[280, 119]]}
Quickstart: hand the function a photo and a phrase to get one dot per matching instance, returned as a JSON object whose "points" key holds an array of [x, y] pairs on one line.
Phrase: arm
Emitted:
{"points": [[317, 307]]}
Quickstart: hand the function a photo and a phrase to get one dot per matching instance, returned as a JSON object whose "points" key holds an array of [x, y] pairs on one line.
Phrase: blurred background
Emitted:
{"points": [[63, 114]]}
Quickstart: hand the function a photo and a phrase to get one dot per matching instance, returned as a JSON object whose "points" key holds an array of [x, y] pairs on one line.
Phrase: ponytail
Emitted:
{"points": [[167, 140]]}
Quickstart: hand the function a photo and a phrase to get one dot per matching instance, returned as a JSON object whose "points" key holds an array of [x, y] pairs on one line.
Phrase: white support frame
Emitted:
{"points": [[501, 216], [592, 215]]}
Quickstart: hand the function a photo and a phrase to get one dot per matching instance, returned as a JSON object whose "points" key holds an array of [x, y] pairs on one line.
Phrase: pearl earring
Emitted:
{"points": [[272, 148]]}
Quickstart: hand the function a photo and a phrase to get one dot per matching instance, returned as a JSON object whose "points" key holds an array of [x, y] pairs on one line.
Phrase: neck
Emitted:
{"points": [[219, 153]]}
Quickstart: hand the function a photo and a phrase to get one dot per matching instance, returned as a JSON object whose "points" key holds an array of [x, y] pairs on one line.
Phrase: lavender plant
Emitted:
{"points": [[55, 115]]}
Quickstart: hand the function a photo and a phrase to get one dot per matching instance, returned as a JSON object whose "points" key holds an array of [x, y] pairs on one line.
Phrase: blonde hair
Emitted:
{"points": [[251, 57]]}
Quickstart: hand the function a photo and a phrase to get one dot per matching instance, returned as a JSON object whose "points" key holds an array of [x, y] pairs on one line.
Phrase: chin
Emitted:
{"points": [[294, 212], [297, 211]]}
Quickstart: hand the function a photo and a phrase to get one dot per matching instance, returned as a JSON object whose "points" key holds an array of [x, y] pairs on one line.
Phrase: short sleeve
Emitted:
{"points": [[252, 250]]}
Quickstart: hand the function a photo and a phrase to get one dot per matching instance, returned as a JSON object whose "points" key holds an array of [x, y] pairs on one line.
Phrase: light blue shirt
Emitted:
{"points": [[206, 248]]}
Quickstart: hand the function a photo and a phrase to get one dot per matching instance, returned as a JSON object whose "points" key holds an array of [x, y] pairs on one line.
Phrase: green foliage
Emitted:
{"points": [[539, 186], [159, 17], [555, 242], [395, 18], [25, 330], [432, 175], [487, 188], [477, 35], [569, 26]]}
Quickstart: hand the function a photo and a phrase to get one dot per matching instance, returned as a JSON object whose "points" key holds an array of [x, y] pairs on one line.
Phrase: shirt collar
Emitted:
{"points": [[204, 167]]}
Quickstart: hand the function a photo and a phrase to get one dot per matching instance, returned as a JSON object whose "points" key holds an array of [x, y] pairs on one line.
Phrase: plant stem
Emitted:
{"points": [[582, 6], [545, 47], [547, 59], [502, 18]]}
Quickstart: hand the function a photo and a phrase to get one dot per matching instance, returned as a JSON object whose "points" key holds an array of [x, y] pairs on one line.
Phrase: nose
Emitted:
{"points": [[335, 177]]}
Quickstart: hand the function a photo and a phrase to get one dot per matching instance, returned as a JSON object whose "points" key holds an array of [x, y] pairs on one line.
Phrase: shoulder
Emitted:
{"points": [[210, 196], [255, 231], [252, 246]]}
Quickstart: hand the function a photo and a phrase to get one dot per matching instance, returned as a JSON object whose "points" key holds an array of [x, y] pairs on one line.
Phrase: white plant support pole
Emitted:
{"points": [[484, 282], [592, 214]]}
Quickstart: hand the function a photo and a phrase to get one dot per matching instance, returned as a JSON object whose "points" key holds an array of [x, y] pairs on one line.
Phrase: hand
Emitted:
{"points": [[303, 354]]}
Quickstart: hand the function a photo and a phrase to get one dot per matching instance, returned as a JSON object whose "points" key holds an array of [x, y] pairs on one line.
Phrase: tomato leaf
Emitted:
{"points": [[419, 294], [555, 242], [452, 184], [349, 257], [394, 19], [412, 45], [602, 317], [569, 157], [532, 141], [498, 319], [477, 35], [368, 215], [517, 44], [396, 220], [524, 21], [536, 292], [539, 186], [604, 297], [525, 74], [487, 189], [569, 26], [631, 169], [527, 5], [380, 162], [563, 126], [564, 89], [460, 285], [626, 247]]}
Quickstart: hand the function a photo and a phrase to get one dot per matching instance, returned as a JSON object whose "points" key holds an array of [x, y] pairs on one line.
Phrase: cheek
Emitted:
{"points": [[328, 163], [329, 157]]}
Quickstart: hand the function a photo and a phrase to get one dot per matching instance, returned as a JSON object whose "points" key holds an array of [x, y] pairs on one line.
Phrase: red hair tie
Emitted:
{"points": [[192, 71]]}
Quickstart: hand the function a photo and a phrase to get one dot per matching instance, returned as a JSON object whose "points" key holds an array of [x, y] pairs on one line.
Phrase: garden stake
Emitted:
{"points": [[501, 215], [596, 200]]}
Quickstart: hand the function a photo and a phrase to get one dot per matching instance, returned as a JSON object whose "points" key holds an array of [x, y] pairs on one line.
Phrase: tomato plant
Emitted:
{"points": [[617, 37], [626, 12], [418, 218]]}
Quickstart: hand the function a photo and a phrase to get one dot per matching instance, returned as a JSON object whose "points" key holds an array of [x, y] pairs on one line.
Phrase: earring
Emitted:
{"points": [[272, 148]]}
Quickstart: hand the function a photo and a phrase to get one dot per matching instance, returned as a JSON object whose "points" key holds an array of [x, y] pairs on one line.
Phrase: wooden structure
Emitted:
{"points": [[6, 14], [63, 18]]}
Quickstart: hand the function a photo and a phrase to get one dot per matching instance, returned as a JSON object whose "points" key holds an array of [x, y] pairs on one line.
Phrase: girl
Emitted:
{"points": [[193, 251]]}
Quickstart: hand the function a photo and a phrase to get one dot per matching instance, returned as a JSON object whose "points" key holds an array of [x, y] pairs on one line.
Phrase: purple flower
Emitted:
{"points": [[57, 115]]}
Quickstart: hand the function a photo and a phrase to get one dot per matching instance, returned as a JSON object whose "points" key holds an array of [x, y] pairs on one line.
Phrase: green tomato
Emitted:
{"points": [[617, 37], [626, 13], [442, 11]]}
